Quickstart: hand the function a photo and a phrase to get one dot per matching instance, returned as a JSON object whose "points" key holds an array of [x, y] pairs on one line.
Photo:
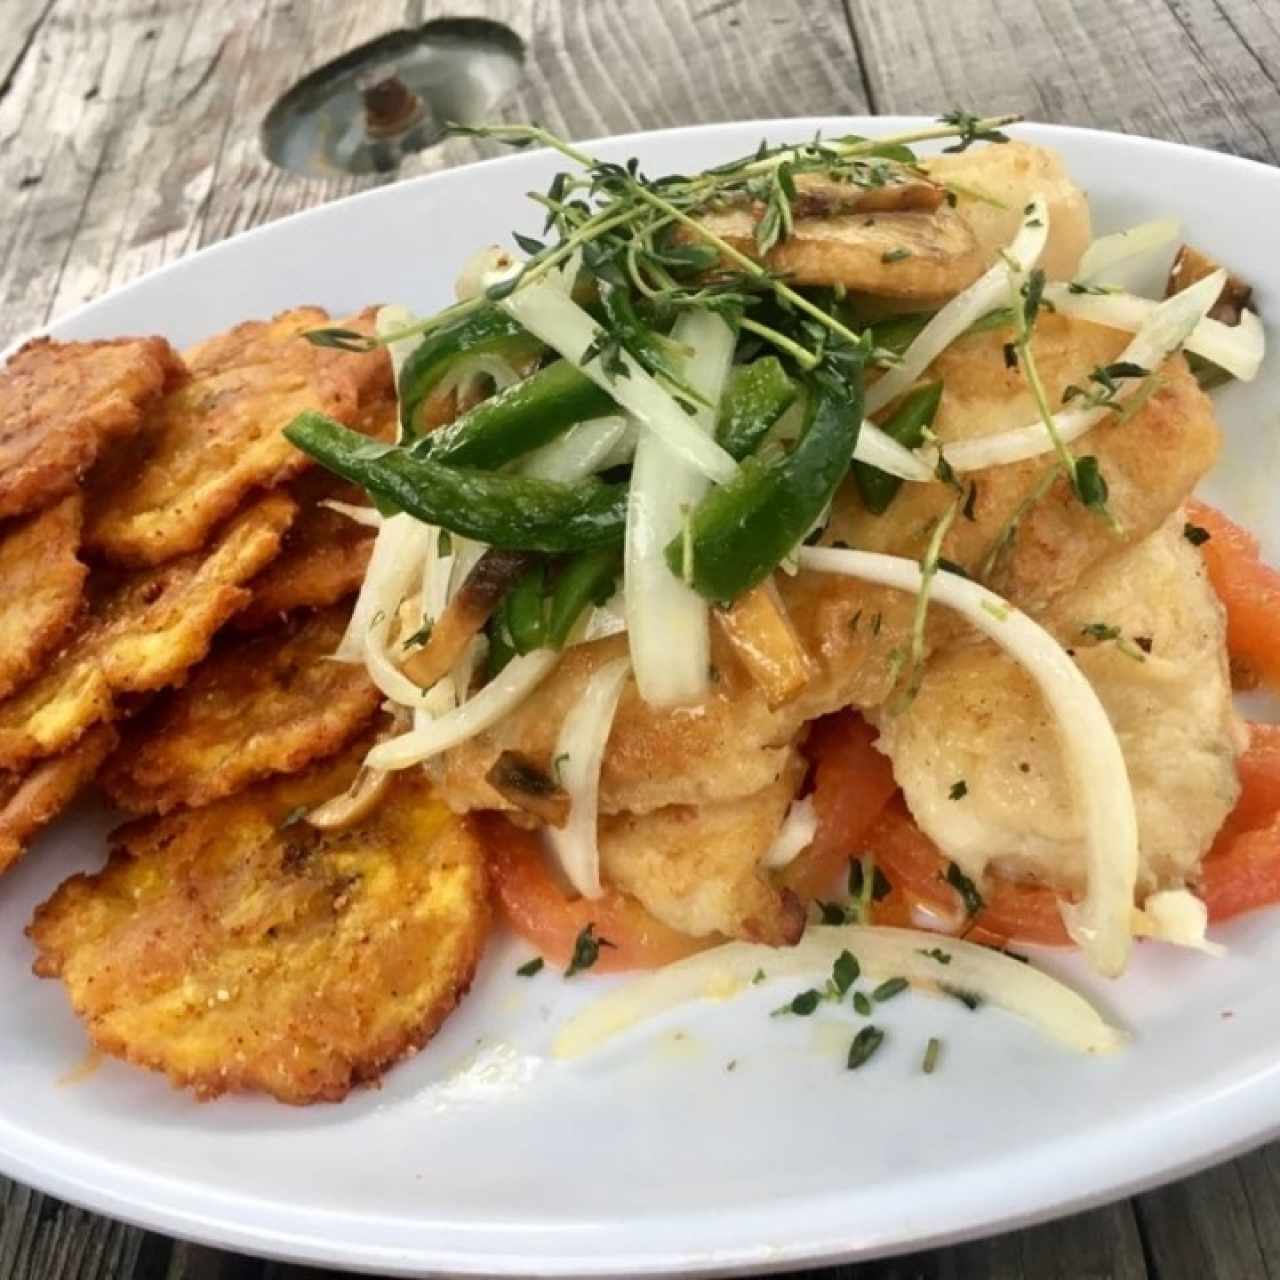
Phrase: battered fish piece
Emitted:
{"points": [[237, 950], [1011, 174], [41, 586], [697, 868], [143, 631], [979, 717], [29, 802], [269, 704], [323, 559], [61, 402], [212, 441]]}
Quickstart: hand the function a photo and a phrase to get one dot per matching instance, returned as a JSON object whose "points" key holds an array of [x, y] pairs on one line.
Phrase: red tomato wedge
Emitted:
{"points": [[540, 910], [1249, 590]]}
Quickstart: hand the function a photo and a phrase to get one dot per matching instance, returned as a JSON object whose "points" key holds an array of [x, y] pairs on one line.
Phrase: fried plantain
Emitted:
{"points": [[236, 949], [61, 402], [42, 581], [268, 704], [322, 561], [218, 437], [30, 801], [143, 631]]}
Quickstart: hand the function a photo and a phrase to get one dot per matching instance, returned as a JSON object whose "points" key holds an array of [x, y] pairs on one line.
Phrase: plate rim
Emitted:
{"points": [[91, 1187]]}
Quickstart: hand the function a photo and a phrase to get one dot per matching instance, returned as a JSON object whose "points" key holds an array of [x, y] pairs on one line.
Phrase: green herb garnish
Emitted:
{"points": [[865, 1043], [530, 967], [586, 950]]}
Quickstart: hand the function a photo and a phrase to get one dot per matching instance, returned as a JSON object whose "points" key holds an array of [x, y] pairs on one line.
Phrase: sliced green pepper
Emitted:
{"points": [[589, 578], [488, 331], [514, 512], [525, 416], [756, 397], [739, 532], [501, 650], [524, 611], [915, 413]]}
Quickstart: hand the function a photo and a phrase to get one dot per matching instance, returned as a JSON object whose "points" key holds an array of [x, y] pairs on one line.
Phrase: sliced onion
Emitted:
{"points": [[1095, 765], [471, 279], [879, 449], [604, 620], [506, 691], [1163, 332], [370, 517], [583, 450], [881, 953], [1176, 916], [1237, 348], [669, 623], [989, 291], [392, 319], [580, 753], [1108, 251], [794, 836], [549, 313]]}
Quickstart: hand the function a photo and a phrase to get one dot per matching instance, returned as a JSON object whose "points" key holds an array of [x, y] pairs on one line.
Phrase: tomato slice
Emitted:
{"points": [[1248, 588], [852, 784], [540, 910]]}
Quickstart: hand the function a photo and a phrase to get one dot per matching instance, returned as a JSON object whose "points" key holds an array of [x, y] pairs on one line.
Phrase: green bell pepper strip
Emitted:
{"points": [[740, 531], [517, 513], [488, 331], [524, 610], [589, 578], [527, 415], [915, 412], [756, 397]]}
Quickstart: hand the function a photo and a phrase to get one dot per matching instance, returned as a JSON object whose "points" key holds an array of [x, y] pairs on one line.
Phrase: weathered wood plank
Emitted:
{"points": [[41, 1239], [1181, 69]]}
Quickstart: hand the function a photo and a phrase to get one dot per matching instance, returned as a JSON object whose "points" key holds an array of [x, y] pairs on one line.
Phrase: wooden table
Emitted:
{"points": [[129, 136]]}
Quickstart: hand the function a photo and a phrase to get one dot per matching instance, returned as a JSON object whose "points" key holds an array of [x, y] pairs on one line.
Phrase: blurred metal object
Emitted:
{"points": [[365, 111]]}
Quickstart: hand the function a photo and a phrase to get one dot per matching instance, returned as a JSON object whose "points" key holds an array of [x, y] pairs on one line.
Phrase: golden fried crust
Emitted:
{"points": [[29, 802], [237, 952], [60, 402], [697, 867], [143, 632], [323, 559], [221, 435], [41, 586], [269, 704]]}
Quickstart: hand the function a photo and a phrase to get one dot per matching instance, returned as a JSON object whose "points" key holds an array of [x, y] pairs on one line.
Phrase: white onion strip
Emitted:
{"points": [[794, 836], [1094, 763], [370, 517], [669, 624], [549, 313], [879, 449], [1108, 251], [584, 449], [579, 755], [1163, 332], [881, 953], [986, 293], [1238, 348], [506, 691]]}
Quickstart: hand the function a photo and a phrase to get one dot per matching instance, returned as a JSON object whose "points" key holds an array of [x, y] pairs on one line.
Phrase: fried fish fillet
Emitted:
{"points": [[143, 631], [61, 402], [978, 717], [323, 559], [42, 584], [271, 703], [697, 867], [237, 950], [30, 801], [733, 744], [219, 436]]}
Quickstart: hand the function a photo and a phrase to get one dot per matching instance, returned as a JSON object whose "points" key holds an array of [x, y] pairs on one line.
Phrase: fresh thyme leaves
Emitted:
{"points": [[971, 129], [971, 501], [832, 913], [530, 967], [866, 881], [802, 1004], [1195, 534], [341, 339], [586, 950], [895, 255], [1010, 355], [1103, 632], [965, 887], [931, 1052], [861, 1004], [966, 998], [1097, 290], [758, 977], [928, 571], [1003, 540], [958, 790], [1032, 296], [865, 1043], [1106, 380], [937, 953], [1090, 484], [845, 971], [888, 989]]}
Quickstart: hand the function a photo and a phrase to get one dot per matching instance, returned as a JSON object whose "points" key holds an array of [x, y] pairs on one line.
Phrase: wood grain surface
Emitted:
{"points": [[129, 136]]}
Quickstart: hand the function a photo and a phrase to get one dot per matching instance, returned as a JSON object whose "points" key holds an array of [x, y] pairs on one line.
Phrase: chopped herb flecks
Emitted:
{"points": [[530, 967], [937, 953], [888, 989], [861, 1004], [965, 887], [845, 971], [958, 790], [865, 1043], [931, 1051], [1195, 534], [586, 950]]}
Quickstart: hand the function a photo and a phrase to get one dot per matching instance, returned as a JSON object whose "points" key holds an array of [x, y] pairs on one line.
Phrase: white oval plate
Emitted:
{"points": [[481, 1155]]}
